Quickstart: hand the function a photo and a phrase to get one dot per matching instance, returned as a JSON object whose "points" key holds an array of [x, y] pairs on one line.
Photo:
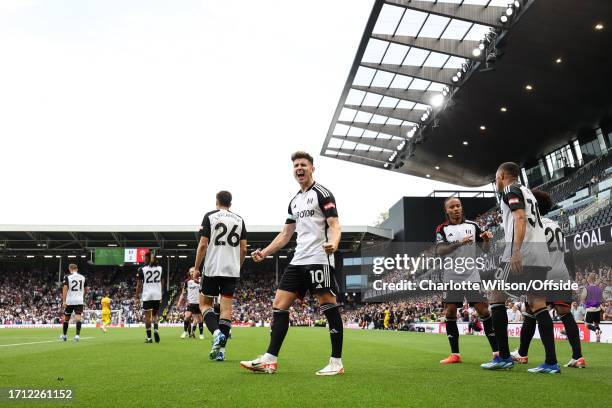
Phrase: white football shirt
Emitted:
{"points": [[224, 231], [449, 233], [533, 248], [192, 288], [556, 249], [151, 277], [76, 288], [309, 212]]}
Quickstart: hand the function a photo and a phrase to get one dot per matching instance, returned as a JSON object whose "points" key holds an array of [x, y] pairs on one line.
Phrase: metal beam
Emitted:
{"points": [[117, 238], [441, 75], [159, 239], [485, 15], [63, 246], [457, 48], [392, 130], [412, 95], [410, 115], [366, 154], [387, 144], [75, 236], [357, 160]]}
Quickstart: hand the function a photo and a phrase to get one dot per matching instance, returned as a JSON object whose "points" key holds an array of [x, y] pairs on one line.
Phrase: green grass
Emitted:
{"points": [[382, 369]]}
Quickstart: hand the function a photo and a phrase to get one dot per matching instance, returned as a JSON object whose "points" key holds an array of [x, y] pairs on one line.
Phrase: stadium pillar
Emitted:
{"points": [[168, 275], [59, 272]]}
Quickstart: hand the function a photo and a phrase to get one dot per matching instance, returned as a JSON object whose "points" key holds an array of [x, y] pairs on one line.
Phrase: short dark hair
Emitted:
{"points": [[224, 198], [448, 199], [545, 203], [302, 155], [511, 168], [149, 258]]}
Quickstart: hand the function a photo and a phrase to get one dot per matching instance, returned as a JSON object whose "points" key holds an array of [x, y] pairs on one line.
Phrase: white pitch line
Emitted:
{"points": [[39, 342]]}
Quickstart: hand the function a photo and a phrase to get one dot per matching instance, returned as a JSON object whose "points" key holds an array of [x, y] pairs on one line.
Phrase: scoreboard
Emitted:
{"points": [[119, 256]]}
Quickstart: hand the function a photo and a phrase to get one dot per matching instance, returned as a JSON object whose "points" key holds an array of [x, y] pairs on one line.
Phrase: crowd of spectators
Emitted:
{"points": [[34, 297], [29, 297], [489, 220], [396, 315]]}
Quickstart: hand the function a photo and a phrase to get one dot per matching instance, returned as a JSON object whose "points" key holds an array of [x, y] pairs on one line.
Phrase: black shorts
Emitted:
{"points": [[153, 305], [77, 309], [593, 317], [301, 279], [459, 297], [559, 298], [194, 308], [212, 286], [529, 274]]}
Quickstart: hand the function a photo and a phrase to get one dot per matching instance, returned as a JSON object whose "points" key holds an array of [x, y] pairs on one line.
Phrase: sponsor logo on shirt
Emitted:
{"points": [[304, 213], [513, 201]]}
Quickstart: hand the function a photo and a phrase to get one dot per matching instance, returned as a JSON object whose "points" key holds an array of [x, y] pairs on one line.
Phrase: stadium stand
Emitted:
{"points": [[253, 301], [600, 218], [585, 177]]}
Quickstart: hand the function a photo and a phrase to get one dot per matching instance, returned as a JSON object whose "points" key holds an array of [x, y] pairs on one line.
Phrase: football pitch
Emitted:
{"points": [[383, 368]]}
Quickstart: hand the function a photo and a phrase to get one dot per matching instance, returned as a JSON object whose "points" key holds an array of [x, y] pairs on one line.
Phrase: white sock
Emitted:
{"points": [[335, 360], [216, 332], [270, 357]]}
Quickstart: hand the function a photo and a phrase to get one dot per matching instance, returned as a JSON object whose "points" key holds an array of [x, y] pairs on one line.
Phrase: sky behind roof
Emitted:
{"points": [[138, 112]]}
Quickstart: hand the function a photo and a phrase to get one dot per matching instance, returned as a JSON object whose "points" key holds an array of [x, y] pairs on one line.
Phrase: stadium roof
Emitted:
{"points": [[540, 78], [70, 238]]}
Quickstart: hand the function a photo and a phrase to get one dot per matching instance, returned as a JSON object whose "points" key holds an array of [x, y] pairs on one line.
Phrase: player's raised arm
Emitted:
{"points": [[483, 239], [277, 243], [327, 204], [334, 233]]}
